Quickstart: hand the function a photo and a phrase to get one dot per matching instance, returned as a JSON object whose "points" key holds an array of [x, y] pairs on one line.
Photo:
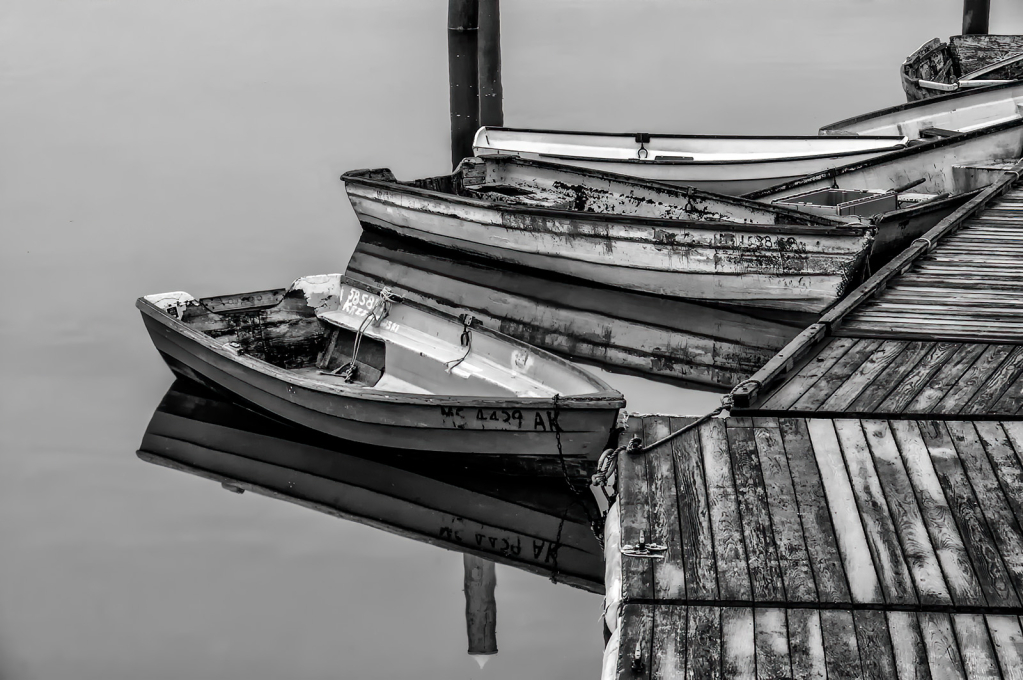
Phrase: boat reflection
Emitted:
{"points": [[492, 507], [621, 331]]}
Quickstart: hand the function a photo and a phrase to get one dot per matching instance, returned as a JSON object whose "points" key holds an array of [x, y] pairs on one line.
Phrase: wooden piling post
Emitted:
{"points": [[463, 75], [976, 16], [480, 607], [491, 91]]}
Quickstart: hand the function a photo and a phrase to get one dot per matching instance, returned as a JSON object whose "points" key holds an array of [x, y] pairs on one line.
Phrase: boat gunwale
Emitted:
{"points": [[811, 224], [681, 136], [605, 397], [825, 130], [834, 173]]}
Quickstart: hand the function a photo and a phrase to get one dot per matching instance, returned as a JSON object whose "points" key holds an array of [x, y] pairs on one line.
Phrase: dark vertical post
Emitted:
{"points": [[976, 15], [480, 607], [463, 76], [491, 92]]}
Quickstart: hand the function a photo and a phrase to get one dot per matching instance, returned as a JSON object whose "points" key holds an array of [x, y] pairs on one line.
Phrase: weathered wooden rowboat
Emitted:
{"points": [[965, 61], [342, 358], [620, 331], [943, 174], [935, 117], [724, 164], [622, 232], [537, 525]]}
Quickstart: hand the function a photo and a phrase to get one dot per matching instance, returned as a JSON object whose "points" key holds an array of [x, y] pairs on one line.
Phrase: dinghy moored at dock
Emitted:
{"points": [[354, 362], [721, 163], [622, 232]]}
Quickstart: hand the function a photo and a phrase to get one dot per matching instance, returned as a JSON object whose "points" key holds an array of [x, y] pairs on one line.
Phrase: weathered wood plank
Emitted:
{"points": [[761, 552], [997, 383], [694, 516], [806, 644], [994, 578], [738, 643], [704, 643], [794, 387], [818, 532], [876, 654], [842, 654], [633, 499], [999, 515], [772, 640], [908, 646], [971, 381], [975, 646], [865, 376], [784, 514], [726, 524], [947, 376], [891, 378], [1011, 400], [1007, 465], [670, 637], [942, 648], [873, 509], [636, 633], [908, 387], [669, 572], [845, 516], [1007, 640], [906, 514], [851, 360], [963, 585]]}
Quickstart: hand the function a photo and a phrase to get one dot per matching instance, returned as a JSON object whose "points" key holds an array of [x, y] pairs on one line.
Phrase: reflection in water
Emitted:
{"points": [[492, 509], [621, 331]]}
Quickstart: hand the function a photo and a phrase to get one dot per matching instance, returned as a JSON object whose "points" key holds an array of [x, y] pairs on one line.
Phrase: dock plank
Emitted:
{"points": [[878, 525], [784, 514], [891, 378], [1007, 640], [804, 379], [866, 376], [669, 581], [636, 634], [670, 639], [906, 514], [963, 585], [694, 517], [978, 656], [738, 643], [874, 641], [633, 499], [997, 383], [772, 642], [945, 378], [818, 532], [942, 648], [842, 369], [938, 354], [960, 394], [726, 524], [703, 659], [991, 572], [806, 644], [761, 552], [842, 653], [908, 646]]}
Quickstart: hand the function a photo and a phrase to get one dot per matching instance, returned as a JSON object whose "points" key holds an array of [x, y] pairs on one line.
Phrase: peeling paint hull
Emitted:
{"points": [[802, 266]]}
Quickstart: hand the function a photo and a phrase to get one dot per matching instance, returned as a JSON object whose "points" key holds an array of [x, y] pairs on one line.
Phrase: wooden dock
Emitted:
{"points": [[860, 512]]}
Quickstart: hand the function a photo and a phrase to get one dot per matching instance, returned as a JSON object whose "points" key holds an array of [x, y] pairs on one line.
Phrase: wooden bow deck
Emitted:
{"points": [[861, 513]]}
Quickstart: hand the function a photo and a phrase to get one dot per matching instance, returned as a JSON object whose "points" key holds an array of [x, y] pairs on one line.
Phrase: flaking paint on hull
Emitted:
{"points": [[440, 427], [806, 273]]}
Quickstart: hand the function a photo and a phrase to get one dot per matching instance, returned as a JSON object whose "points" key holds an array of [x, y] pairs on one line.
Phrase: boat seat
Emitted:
{"points": [[937, 132], [427, 345]]}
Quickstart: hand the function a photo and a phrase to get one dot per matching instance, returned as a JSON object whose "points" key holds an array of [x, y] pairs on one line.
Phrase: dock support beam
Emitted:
{"points": [[463, 76], [480, 607], [976, 16], [491, 92]]}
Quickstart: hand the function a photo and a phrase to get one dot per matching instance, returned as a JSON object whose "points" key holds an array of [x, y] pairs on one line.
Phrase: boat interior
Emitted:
{"points": [[333, 331], [935, 118], [652, 147], [514, 181]]}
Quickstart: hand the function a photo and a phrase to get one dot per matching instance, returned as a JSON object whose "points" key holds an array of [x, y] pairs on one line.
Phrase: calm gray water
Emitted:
{"points": [[196, 146]]}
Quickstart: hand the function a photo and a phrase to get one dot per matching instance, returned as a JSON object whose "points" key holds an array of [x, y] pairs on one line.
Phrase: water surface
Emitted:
{"points": [[196, 146]]}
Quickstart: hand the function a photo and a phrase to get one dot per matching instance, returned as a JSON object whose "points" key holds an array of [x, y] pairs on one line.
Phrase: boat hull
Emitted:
{"points": [[618, 330], [442, 424], [771, 266], [733, 178]]}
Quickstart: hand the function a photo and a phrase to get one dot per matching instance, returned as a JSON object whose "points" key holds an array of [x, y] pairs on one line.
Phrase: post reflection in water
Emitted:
{"points": [[677, 341], [513, 511]]}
